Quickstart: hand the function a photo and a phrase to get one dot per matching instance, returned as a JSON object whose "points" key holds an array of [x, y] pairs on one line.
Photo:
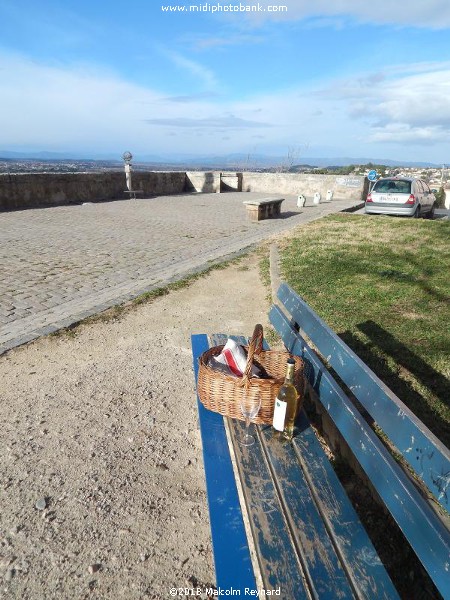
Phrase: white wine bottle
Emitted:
{"points": [[286, 405]]}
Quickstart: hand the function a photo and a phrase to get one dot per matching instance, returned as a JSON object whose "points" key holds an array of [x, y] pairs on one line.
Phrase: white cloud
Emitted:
{"points": [[221, 41], [80, 108], [186, 98], [205, 76], [408, 106], [401, 133], [419, 13], [213, 122]]}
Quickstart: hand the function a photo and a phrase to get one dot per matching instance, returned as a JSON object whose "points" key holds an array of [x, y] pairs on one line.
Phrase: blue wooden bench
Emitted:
{"points": [[280, 518]]}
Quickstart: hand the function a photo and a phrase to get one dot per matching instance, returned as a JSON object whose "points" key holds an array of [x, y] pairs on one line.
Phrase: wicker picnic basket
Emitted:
{"points": [[222, 393]]}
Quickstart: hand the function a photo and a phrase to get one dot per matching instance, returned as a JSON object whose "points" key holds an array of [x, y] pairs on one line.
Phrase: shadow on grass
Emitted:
{"points": [[419, 280], [409, 362]]}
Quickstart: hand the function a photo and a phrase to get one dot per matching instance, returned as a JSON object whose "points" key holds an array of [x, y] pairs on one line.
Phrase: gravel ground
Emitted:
{"points": [[102, 488]]}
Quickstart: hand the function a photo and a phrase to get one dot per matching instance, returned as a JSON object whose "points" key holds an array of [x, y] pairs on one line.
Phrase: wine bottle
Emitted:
{"points": [[286, 405]]}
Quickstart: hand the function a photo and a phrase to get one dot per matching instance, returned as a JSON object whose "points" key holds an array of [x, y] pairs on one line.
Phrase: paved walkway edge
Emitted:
{"points": [[118, 301]]}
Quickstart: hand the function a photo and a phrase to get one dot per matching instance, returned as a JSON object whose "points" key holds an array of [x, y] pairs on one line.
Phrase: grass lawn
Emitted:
{"points": [[383, 285]]}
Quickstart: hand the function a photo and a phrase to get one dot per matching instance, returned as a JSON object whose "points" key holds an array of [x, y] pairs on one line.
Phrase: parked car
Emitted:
{"points": [[408, 197]]}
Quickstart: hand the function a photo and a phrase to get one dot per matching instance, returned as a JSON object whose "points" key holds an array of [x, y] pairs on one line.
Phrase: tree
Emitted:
{"points": [[440, 198], [292, 157]]}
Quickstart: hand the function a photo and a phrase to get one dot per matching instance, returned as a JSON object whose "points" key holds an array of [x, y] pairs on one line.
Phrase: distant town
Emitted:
{"points": [[435, 177]]}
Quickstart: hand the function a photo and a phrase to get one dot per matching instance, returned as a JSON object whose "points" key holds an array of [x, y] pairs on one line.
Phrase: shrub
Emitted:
{"points": [[440, 198]]}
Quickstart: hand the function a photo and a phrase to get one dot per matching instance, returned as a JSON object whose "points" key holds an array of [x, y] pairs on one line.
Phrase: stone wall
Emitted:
{"points": [[203, 181], [32, 190], [231, 182], [343, 186]]}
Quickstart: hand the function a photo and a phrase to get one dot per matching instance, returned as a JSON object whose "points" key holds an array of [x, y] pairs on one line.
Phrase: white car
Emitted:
{"points": [[408, 197]]}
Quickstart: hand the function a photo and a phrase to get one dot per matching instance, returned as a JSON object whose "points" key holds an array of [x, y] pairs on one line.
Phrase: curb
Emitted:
{"points": [[274, 269], [354, 208]]}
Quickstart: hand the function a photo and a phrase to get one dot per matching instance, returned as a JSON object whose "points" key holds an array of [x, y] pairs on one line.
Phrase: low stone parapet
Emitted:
{"points": [[33, 190]]}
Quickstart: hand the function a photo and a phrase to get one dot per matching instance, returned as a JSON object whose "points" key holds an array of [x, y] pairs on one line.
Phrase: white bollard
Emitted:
{"points": [[329, 195], [301, 200], [317, 198], [447, 199]]}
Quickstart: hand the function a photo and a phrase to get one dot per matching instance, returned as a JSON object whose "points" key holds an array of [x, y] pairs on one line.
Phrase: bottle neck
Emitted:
{"points": [[289, 373]]}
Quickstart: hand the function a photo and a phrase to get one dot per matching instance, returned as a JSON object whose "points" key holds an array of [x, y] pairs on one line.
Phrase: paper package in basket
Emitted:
{"points": [[232, 361]]}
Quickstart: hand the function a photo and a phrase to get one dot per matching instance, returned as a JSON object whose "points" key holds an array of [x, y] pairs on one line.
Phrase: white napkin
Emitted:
{"points": [[233, 360]]}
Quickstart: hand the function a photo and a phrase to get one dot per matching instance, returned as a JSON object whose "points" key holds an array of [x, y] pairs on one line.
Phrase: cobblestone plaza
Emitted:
{"points": [[61, 264]]}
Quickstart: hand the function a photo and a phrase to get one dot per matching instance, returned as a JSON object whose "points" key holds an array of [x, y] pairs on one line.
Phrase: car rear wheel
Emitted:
{"points": [[416, 214], [430, 215]]}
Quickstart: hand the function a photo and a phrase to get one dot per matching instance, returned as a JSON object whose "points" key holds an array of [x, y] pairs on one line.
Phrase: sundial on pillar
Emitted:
{"points": [[127, 156]]}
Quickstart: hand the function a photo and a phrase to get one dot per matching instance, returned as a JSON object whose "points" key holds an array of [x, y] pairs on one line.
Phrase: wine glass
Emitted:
{"points": [[250, 405]]}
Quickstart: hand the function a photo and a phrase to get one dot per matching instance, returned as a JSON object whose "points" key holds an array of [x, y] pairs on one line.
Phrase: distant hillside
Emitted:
{"points": [[238, 161]]}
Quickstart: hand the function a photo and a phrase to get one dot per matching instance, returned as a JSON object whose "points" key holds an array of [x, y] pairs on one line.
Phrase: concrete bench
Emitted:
{"points": [[265, 208], [301, 536]]}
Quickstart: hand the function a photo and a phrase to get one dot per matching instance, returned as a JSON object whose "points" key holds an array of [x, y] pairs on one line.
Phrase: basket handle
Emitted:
{"points": [[254, 347]]}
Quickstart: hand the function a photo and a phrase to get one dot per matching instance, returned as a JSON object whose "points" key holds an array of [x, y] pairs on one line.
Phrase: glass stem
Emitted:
{"points": [[247, 425]]}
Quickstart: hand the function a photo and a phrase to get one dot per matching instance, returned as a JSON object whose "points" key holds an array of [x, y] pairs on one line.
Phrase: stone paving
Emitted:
{"points": [[61, 264]]}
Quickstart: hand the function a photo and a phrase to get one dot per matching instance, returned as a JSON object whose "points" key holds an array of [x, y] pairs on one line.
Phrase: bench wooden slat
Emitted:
{"points": [[353, 545], [230, 548], [423, 451], [280, 566], [321, 563], [423, 529]]}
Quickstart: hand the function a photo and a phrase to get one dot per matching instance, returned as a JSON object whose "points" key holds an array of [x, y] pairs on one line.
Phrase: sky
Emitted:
{"points": [[322, 78]]}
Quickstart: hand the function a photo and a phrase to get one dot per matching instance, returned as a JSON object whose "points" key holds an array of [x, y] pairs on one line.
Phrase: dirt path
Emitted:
{"points": [[101, 484]]}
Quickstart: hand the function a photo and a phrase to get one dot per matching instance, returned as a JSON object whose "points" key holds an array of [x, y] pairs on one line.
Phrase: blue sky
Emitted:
{"points": [[323, 78]]}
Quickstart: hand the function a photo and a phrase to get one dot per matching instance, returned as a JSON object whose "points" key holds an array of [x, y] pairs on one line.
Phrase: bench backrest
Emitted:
{"points": [[419, 447], [425, 531]]}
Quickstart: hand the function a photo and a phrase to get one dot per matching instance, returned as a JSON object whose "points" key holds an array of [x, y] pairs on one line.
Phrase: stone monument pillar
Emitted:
{"points": [[127, 156]]}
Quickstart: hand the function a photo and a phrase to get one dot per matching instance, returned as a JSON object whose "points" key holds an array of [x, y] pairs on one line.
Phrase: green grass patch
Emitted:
{"points": [[263, 252], [382, 284], [264, 265]]}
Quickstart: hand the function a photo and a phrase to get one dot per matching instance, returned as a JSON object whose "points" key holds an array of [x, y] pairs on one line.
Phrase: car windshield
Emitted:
{"points": [[394, 186]]}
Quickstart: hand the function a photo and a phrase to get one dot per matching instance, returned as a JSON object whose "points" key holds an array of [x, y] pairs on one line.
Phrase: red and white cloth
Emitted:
{"points": [[233, 360]]}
